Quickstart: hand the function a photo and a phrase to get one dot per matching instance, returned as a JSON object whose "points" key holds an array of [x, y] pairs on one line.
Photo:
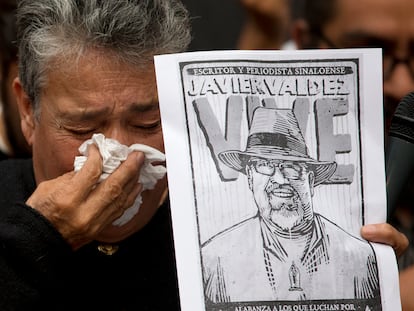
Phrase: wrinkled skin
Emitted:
{"points": [[100, 95]]}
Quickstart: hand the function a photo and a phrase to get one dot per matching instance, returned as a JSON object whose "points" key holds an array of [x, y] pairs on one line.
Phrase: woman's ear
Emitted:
{"points": [[27, 118]]}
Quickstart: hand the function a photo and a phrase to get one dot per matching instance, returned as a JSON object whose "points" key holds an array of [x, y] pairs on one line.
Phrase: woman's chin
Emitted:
{"points": [[115, 234], [151, 201]]}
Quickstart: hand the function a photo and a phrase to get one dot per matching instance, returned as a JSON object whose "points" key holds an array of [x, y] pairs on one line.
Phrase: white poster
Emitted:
{"points": [[275, 161]]}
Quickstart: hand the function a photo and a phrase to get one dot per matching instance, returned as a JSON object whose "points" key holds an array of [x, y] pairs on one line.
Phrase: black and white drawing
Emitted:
{"points": [[286, 251], [270, 158]]}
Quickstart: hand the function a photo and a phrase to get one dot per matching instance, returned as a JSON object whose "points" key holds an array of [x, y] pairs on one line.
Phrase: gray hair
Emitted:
{"points": [[133, 31]]}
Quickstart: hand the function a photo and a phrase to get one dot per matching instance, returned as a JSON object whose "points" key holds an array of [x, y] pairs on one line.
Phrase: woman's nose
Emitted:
{"points": [[118, 134]]}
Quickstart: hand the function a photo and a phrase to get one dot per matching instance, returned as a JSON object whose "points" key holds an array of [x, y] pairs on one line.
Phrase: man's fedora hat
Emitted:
{"points": [[275, 135]]}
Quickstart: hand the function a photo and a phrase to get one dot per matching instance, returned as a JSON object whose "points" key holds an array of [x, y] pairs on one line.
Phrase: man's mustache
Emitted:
{"points": [[274, 186]]}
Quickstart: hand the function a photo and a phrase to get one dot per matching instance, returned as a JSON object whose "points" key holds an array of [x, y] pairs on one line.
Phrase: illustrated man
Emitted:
{"points": [[286, 251]]}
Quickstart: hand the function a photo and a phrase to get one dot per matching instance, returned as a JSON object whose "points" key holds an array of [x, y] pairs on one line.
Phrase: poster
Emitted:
{"points": [[275, 161]]}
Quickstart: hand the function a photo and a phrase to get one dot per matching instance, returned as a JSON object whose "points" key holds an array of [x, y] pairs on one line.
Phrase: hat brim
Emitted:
{"points": [[237, 160]]}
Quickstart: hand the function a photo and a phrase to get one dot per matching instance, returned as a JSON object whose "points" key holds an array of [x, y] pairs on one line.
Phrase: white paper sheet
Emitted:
{"points": [[320, 111]]}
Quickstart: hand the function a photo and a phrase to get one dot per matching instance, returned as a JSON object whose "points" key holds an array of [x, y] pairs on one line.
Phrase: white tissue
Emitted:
{"points": [[113, 154]]}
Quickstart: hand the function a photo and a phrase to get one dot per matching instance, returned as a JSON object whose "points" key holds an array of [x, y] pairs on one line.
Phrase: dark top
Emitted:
{"points": [[39, 271], [3, 156]]}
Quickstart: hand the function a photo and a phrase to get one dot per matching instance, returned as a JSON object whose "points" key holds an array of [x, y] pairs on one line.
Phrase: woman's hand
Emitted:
{"points": [[386, 234]]}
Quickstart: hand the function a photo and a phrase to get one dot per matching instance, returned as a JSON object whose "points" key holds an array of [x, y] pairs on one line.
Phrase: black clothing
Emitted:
{"points": [[3, 156], [39, 271]]}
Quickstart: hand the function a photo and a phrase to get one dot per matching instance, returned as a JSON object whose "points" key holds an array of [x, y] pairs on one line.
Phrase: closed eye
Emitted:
{"points": [[149, 125], [81, 132]]}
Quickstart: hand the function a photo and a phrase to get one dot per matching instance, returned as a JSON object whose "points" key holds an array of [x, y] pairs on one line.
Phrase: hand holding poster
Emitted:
{"points": [[275, 161]]}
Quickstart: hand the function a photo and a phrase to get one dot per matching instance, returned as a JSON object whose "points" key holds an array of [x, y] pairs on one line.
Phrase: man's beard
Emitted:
{"points": [[286, 213], [287, 216]]}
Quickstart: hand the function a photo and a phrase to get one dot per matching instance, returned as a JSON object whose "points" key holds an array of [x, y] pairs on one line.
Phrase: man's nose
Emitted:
{"points": [[279, 177], [399, 83]]}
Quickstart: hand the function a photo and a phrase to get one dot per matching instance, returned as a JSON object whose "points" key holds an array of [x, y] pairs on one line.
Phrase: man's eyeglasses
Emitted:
{"points": [[289, 170], [389, 60]]}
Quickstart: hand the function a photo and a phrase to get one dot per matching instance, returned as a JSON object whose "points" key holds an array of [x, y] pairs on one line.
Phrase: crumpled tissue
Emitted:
{"points": [[113, 154]]}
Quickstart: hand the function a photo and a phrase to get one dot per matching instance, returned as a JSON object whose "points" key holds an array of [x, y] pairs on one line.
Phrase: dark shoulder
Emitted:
{"points": [[16, 179], [3, 156], [16, 163], [12, 169]]}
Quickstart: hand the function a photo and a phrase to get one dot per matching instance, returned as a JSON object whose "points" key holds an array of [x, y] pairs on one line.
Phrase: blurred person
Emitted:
{"points": [[86, 67], [215, 24], [365, 23], [12, 141], [326, 24]]}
